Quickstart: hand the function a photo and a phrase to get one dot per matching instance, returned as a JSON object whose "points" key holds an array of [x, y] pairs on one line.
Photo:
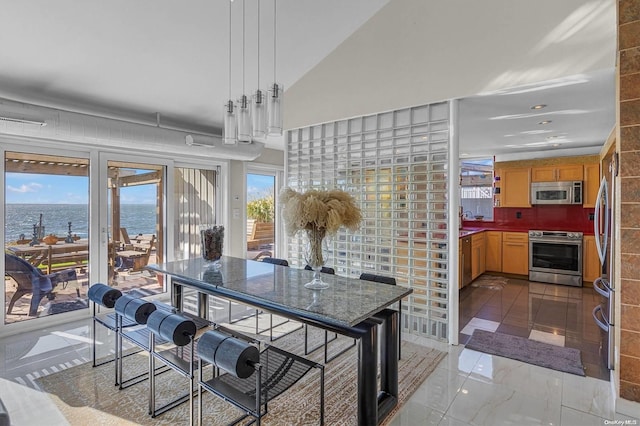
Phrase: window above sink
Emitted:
{"points": [[476, 188]]}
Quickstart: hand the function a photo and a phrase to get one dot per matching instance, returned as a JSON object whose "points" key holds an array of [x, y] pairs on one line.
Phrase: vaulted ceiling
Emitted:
{"points": [[336, 59]]}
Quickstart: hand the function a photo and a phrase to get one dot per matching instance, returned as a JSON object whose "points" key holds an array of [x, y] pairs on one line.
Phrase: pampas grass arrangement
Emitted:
{"points": [[319, 213]]}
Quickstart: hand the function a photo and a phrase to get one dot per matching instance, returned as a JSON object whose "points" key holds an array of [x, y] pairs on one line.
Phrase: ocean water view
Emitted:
{"points": [[20, 218]]}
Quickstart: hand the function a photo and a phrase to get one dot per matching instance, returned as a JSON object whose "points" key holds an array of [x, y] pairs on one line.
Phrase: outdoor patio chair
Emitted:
{"points": [[391, 281], [247, 378], [32, 280]]}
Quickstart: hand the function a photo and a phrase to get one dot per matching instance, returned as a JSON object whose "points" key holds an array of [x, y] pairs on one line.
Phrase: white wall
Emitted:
{"points": [[415, 52]]}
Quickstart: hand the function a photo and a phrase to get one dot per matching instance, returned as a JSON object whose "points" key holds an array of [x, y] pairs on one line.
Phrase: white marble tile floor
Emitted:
{"points": [[467, 388]]}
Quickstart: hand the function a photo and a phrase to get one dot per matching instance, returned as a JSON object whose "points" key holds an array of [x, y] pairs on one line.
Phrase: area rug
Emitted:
{"points": [[87, 395], [526, 350]]}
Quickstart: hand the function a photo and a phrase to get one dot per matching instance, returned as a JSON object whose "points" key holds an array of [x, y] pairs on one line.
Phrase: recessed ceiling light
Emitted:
{"points": [[546, 122], [539, 106]]}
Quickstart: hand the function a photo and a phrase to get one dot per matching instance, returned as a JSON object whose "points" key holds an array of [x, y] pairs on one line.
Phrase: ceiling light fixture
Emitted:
{"points": [[230, 122], [260, 115], [539, 106]]}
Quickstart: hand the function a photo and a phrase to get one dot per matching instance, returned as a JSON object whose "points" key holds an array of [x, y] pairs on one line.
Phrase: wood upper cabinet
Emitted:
{"points": [[590, 259], [478, 250], [515, 253], [565, 172], [591, 184], [493, 253], [514, 187]]}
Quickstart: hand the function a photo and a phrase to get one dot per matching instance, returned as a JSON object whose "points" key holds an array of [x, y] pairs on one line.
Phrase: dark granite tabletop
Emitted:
{"points": [[280, 289]]}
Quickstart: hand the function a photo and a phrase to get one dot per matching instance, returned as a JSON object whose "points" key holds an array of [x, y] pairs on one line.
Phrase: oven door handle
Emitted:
{"points": [[552, 241]]}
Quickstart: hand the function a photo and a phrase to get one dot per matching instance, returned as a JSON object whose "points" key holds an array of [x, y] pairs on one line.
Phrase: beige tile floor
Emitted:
{"points": [[467, 388]]}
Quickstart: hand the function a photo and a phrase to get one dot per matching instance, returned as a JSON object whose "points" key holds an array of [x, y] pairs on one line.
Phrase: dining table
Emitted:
{"points": [[50, 254], [349, 306]]}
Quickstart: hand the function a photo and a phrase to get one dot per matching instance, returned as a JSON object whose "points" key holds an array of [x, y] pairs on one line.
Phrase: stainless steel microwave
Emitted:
{"points": [[569, 192]]}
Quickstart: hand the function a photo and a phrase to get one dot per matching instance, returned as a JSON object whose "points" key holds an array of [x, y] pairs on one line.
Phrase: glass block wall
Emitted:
{"points": [[395, 165]]}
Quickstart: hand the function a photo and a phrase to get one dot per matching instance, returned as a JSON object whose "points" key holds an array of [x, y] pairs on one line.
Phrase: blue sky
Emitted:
{"points": [[26, 188], [259, 185]]}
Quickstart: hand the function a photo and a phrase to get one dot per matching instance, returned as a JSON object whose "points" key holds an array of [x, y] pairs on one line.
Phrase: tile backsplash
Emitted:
{"points": [[547, 218]]}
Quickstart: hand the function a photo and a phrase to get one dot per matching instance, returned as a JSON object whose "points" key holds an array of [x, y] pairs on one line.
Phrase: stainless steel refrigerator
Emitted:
{"points": [[606, 284]]}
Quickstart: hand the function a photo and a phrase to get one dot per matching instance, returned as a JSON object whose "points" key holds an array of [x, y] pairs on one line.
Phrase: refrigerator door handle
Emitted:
{"points": [[602, 196], [601, 288], [602, 325]]}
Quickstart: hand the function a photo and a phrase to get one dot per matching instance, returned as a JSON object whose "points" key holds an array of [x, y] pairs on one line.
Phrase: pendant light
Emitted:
{"points": [[275, 94], [258, 101], [230, 124], [244, 117]]}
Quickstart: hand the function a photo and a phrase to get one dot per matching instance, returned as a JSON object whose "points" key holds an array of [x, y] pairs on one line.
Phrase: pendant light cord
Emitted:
{"points": [[229, 50], [243, 14], [258, 2], [274, 40]]}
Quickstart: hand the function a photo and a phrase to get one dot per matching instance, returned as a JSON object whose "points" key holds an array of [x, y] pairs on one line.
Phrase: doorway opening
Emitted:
{"points": [[260, 215], [136, 225]]}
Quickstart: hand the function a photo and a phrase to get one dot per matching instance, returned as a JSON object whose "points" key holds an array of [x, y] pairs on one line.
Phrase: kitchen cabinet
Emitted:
{"points": [[478, 250], [514, 187], [591, 184], [590, 259], [493, 252], [565, 172], [515, 253], [460, 264]]}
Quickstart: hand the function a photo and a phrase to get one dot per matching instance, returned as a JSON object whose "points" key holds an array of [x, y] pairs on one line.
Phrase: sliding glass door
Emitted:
{"points": [[46, 217], [136, 225]]}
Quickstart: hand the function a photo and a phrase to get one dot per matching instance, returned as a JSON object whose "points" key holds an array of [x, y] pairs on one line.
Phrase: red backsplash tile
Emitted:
{"points": [[546, 218]]}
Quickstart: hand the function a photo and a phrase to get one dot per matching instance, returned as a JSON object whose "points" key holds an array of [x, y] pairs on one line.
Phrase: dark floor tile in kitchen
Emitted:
{"points": [[521, 306], [490, 313], [596, 370], [514, 330]]}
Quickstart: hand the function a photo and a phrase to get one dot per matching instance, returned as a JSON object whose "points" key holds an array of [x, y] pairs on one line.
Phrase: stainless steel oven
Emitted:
{"points": [[555, 257]]}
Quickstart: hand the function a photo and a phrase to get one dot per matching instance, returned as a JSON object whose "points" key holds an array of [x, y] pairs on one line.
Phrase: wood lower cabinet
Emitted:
{"points": [[478, 250], [590, 259], [515, 253], [460, 264], [493, 253]]}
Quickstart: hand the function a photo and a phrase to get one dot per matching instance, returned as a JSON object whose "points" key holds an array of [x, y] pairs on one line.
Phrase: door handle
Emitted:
{"points": [[603, 289], [602, 325], [601, 247]]}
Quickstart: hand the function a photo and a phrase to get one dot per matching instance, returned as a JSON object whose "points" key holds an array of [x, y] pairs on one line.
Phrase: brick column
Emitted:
{"points": [[629, 151]]}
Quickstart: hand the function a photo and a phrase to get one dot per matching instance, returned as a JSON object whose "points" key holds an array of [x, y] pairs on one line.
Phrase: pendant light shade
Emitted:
{"points": [[244, 120], [258, 114], [230, 123], [274, 110]]}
